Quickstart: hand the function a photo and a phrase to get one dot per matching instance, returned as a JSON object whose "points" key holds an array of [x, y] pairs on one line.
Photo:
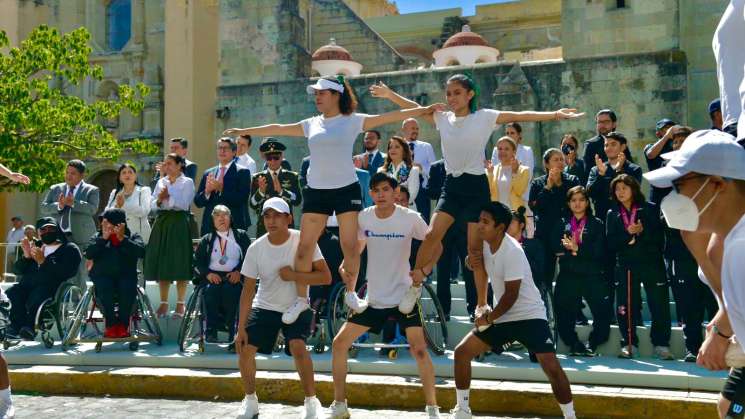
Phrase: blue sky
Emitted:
{"points": [[469, 6]]}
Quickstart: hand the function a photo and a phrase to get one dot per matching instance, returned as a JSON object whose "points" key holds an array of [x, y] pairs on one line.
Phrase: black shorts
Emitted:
{"points": [[327, 201], [464, 197], [264, 326], [375, 318], [734, 387], [534, 334]]}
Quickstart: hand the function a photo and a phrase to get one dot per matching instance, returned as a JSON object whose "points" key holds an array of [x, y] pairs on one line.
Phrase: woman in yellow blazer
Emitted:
{"points": [[508, 180]]}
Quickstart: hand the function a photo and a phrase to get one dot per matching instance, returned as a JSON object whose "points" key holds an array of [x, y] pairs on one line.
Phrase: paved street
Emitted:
{"points": [[116, 408]]}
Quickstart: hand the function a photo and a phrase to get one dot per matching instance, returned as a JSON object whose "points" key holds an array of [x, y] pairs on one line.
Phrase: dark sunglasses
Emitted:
{"points": [[270, 157]]}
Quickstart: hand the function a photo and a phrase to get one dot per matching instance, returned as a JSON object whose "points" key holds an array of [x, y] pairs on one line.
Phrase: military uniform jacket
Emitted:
{"points": [[290, 193]]}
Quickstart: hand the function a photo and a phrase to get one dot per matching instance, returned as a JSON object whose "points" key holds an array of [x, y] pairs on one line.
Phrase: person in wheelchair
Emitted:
{"points": [[217, 265], [45, 265], [114, 252]]}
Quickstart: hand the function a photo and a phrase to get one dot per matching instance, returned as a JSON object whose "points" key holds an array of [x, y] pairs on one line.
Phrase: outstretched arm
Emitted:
{"points": [[279, 130], [15, 177], [381, 90], [531, 116], [372, 121]]}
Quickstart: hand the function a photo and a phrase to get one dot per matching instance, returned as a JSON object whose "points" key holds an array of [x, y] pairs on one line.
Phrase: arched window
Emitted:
{"points": [[118, 23]]}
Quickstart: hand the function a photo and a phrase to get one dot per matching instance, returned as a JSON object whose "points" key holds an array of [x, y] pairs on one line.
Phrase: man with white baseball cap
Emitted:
{"points": [[707, 175], [270, 259]]}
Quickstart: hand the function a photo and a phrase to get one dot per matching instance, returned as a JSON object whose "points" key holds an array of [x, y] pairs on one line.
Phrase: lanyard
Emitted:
{"points": [[578, 227]]}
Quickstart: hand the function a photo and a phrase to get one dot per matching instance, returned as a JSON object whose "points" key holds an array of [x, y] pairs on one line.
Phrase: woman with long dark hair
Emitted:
{"points": [[635, 234], [133, 199], [574, 165], [332, 186], [399, 164]]}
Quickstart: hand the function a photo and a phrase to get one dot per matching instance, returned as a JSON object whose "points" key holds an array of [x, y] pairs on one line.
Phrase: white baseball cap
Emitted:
{"points": [[324, 84], [708, 152], [277, 204]]}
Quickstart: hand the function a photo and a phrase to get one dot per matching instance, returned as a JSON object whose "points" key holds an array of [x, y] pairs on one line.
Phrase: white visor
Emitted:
{"points": [[323, 84]]}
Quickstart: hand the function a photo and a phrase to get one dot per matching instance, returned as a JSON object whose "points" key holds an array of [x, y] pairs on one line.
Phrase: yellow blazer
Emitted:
{"points": [[518, 186]]}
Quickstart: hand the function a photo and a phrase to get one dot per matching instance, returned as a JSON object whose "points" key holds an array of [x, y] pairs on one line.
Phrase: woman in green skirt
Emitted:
{"points": [[169, 252]]}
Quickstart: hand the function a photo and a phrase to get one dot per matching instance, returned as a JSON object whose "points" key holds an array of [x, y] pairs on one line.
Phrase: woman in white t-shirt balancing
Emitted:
{"points": [[399, 164], [333, 186], [464, 132]]}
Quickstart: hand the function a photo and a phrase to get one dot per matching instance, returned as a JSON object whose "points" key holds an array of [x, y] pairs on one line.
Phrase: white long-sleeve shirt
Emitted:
{"points": [[181, 193], [136, 207]]}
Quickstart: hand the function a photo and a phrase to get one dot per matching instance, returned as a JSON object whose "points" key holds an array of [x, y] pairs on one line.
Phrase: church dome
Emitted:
{"points": [[332, 59], [331, 51], [465, 37], [465, 48]]}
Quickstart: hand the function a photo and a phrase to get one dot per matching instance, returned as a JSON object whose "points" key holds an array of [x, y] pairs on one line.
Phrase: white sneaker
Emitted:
{"points": [[432, 412], [460, 413], [295, 310], [354, 302], [312, 407], [7, 411], [663, 353], [249, 408], [409, 299], [339, 410]]}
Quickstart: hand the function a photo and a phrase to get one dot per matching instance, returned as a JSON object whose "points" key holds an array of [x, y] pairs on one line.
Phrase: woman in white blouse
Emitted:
{"points": [[400, 165], [134, 199], [509, 179], [168, 256]]}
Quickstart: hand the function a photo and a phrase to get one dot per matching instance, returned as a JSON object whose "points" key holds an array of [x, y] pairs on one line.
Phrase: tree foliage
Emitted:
{"points": [[42, 125]]}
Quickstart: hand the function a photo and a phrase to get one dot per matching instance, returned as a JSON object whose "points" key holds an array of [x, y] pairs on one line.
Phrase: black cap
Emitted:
{"points": [[45, 221], [662, 123], [715, 105], [115, 216], [17, 217], [271, 145]]}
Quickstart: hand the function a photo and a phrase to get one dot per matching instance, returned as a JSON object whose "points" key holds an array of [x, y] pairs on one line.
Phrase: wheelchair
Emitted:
{"points": [[86, 324], [193, 328], [429, 310]]}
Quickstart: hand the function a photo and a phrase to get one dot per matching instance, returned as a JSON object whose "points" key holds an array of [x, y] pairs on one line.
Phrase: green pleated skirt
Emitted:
{"points": [[168, 256]]}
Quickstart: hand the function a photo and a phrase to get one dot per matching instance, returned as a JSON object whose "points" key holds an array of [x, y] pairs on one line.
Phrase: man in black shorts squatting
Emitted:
{"points": [[518, 314], [269, 259]]}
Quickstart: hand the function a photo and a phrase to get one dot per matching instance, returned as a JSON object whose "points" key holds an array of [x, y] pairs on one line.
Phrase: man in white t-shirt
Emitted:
{"points": [[387, 230], [269, 259], [518, 314], [707, 175]]}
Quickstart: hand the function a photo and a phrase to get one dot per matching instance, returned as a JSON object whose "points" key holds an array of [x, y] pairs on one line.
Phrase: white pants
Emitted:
{"points": [[730, 56]]}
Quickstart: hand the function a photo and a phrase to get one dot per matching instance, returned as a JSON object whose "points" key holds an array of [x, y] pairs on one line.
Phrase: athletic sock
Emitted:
{"points": [[462, 397], [5, 395], [568, 410]]}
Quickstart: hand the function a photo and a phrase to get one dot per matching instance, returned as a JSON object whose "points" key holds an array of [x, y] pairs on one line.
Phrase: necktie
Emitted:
{"points": [[222, 173], [411, 146], [65, 220]]}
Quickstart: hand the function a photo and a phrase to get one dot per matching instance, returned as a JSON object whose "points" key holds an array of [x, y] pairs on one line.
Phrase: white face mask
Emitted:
{"points": [[681, 212]]}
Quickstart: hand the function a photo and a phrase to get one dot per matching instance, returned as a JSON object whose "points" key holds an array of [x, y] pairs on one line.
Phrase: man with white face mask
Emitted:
{"points": [[708, 178]]}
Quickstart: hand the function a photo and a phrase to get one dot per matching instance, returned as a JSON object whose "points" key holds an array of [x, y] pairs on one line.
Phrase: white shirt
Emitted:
{"points": [[181, 193], [247, 161], [136, 207], [232, 252], [509, 263], [388, 250], [730, 58], [733, 278], [14, 236], [464, 140], [424, 155], [263, 262], [504, 183], [526, 158], [331, 142], [411, 183], [51, 248]]}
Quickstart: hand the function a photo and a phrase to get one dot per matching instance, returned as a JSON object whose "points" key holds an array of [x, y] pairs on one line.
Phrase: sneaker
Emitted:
{"points": [[578, 349], [690, 357], [297, 308], [339, 410], [26, 333], [625, 354], [354, 302], [663, 353], [124, 331], [7, 411], [460, 413], [409, 299], [432, 412], [312, 408], [249, 408]]}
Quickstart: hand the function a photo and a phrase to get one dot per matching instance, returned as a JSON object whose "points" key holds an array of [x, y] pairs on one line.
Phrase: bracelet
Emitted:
{"points": [[716, 330]]}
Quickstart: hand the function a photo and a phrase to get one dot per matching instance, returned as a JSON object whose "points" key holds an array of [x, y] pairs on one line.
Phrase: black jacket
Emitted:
{"points": [[676, 250], [111, 261], [549, 205], [598, 187], [436, 181], [57, 268], [648, 245], [236, 190], [591, 253], [536, 254], [578, 170], [204, 250], [596, 145]]}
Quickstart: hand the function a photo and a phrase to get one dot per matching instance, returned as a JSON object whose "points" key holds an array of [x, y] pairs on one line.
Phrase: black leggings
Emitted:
{"points": [[658, 299], [109, 291], [570, 289]]}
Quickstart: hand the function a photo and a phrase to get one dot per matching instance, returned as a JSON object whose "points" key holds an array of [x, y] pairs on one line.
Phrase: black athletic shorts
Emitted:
{"points": [[264, 326], [375, 318], [534, 334], [327, 201], [734, 391], [464, 197]]}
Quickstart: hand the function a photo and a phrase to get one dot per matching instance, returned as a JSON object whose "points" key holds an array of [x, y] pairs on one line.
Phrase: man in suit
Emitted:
{"points": [[605, 122], [275, 181], [603, 172], [423, 155], [372, 158], [227, 184], [244, 159], [179, 146]]}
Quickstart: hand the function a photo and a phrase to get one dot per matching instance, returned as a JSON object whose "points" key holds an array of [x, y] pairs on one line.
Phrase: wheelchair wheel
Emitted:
{"points": [[99, 346], [73, 323], [148, 316], [70, 299], [433, 320], [548, 300], [337, 310], [47, 339], [320, 345], [187, 330], [133, 346]]}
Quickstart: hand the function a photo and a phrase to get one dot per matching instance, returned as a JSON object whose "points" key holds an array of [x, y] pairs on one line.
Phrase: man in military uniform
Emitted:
{"points": [[275, 181]]}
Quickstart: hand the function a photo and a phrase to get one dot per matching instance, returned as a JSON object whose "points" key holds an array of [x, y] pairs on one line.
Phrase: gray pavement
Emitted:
{"points": [[34, 406]]}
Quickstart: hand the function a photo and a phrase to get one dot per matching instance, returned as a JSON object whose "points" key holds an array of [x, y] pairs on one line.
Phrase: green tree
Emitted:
{"points": [[42, 125]]}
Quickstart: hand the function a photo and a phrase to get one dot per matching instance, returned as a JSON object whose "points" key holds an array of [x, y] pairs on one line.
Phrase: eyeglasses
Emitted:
{"points": [[677, 183], [227, 148], [270, 157]]}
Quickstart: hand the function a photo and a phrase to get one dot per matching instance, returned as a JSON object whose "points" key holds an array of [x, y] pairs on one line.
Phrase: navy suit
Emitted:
{"points": [[235, 194], [374, 165]]}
